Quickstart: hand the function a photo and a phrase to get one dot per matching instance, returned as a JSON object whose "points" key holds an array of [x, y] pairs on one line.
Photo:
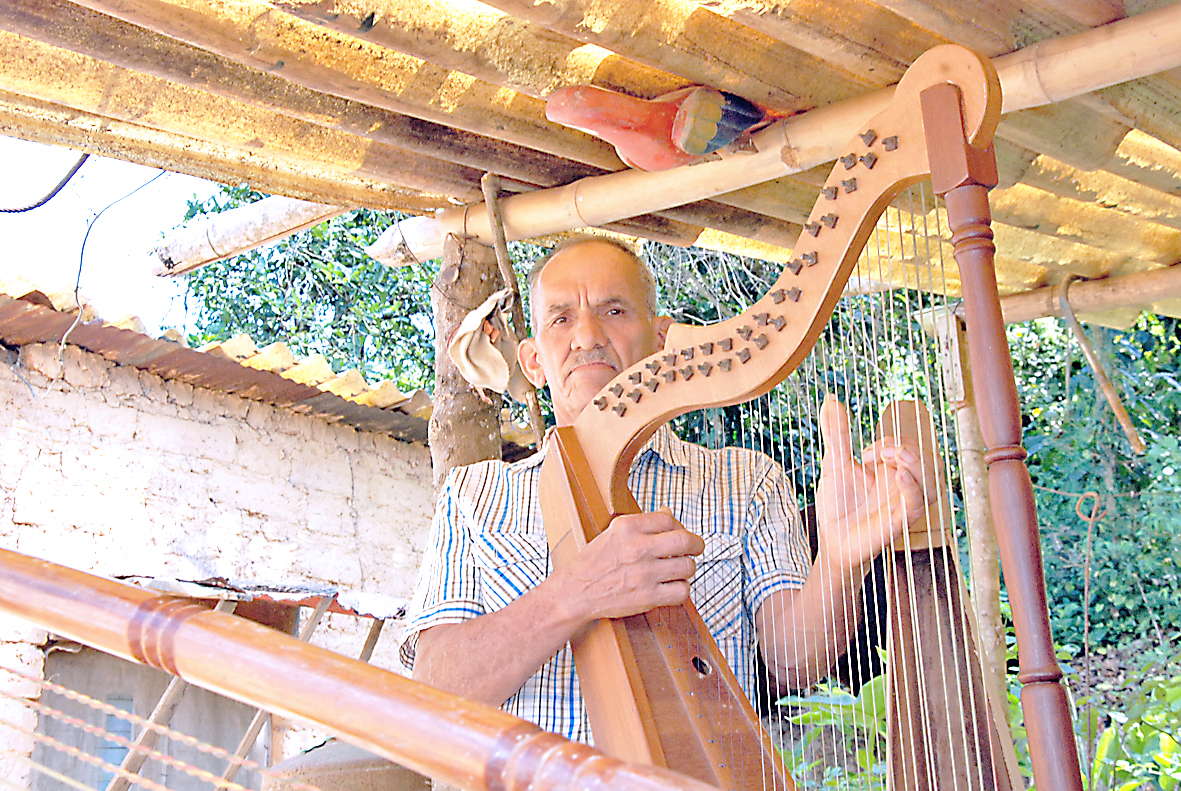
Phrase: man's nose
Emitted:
{"points": [[588, 332]]}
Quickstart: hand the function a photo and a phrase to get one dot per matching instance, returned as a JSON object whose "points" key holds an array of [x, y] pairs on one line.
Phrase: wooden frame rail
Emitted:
{"points": [[440, 735]]}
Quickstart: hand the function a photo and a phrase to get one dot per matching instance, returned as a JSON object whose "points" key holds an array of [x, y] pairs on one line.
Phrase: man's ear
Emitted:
{"points": [[662, 323], [530, 365]]}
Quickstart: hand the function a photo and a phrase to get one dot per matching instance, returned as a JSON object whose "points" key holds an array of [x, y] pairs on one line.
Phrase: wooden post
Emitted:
{"points": [[464, 428], [948, 331]]}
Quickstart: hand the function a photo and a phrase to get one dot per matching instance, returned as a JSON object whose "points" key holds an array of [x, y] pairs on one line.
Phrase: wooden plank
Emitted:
{"points": [[489, 45], [858, 36], [66, 25], [51, 124], [255, 34], [698, 45]]}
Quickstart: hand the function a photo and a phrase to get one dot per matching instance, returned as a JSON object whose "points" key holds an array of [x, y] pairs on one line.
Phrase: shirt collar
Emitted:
{"points": [[664, 444]]}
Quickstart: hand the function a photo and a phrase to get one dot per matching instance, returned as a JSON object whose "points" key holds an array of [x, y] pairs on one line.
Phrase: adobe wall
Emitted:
{"points": [[115, 471]]}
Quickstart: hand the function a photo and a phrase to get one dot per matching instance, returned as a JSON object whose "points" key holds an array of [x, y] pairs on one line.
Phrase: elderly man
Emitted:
{"points": [[491, 621]]}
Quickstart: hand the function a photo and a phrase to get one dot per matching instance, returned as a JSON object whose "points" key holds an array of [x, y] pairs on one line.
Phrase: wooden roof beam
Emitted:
{"points": [[851, 34], [29, 67], [85, 32], [50, 124], [697, 45], [470, 37], [1046, 75], [1142, 290], [255, 34]]}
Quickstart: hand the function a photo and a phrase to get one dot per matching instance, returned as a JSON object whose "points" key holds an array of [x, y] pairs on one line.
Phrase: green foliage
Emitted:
{"points": [[318, 292], [851, 721], [1076, 445]]}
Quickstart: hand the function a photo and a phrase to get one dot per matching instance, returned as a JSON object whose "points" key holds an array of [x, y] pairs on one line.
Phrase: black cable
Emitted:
{"points": [[61, 350], [52, 192]]}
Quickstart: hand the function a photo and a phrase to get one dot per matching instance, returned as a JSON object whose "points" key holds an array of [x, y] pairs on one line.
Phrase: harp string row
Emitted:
{"points": [[870, 356]]}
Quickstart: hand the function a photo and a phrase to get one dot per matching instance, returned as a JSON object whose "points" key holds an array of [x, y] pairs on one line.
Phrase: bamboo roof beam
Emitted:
{"points": [[1145, 290], [697, 45], [255, 34], [80, 30]]}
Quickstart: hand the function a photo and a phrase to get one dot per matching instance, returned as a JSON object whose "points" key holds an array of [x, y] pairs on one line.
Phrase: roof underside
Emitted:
{"points": [[405, 103]]}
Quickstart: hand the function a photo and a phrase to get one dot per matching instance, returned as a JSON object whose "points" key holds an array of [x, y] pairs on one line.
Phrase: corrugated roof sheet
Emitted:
{"points": [[31, 318]]}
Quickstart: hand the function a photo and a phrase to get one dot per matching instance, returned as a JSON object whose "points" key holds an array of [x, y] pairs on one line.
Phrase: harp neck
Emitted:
{"points": [[743, 357]]}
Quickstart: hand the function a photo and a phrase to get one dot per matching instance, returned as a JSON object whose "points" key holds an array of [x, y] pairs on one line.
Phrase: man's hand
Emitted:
{"points": [[862, 506], [639, 562]]}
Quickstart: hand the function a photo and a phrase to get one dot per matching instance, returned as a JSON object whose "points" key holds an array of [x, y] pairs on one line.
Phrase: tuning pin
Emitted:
{"points": [[616, 390], [849, 161], [652, 384], [726, 344], [635, 395], [761, 341], [830, 220], [634, 377], [620, 408], [726, 364], [869, 160], [810, 258], [742, 354], [600, 402], [830, 192], [812, 228], [850, 185], [890, 143], [707, 348], [706, 368], [653, 366], [868, 136], [669, 376]]}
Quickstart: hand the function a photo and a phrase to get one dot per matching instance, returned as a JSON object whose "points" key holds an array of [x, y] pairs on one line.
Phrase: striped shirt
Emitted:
{"points": [[487, 546]]}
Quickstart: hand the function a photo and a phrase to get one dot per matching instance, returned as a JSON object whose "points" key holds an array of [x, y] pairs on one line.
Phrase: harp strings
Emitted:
{"points": [[872, 352]]}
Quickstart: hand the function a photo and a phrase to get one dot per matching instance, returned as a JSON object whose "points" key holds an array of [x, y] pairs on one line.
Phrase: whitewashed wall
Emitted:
{"points": [[111, 470]]}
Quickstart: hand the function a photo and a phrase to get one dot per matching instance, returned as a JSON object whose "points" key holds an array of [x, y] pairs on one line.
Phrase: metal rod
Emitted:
{"points": [[1105, 384]]}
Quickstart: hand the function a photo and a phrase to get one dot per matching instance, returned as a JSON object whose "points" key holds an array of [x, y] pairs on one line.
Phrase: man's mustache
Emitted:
{"points": [[587, 356]]}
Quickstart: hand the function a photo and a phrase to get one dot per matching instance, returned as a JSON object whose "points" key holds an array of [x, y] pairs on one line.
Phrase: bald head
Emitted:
{"points": [[644, 278]]}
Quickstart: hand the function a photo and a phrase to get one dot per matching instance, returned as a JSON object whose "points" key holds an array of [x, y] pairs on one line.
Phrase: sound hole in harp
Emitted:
{"points": [[935, 719]]}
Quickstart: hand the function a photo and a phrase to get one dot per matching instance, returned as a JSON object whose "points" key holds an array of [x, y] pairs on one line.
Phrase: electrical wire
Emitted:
{"points": [[61, 350], [53, 192]]}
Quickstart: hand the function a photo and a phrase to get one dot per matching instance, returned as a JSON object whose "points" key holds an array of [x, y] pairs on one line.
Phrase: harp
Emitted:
{"points": [[680, 705]]}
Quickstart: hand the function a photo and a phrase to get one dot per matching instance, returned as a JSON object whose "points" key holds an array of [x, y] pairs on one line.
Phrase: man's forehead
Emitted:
{"points": [[604, 272]]}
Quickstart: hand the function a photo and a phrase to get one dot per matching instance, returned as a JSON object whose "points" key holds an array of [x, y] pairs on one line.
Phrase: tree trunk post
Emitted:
{"points": [[464, 428]]}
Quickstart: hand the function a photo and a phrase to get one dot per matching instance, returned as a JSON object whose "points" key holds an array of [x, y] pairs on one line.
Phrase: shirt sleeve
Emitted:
{"points": [[775, 543], [448, 586]]}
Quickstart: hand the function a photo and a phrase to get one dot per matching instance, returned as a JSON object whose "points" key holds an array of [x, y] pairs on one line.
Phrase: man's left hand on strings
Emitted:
{"points": [[864, 504]]}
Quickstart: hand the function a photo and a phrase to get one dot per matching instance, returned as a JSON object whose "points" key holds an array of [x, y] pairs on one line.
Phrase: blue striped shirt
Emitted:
{"points": [[487, 546]]}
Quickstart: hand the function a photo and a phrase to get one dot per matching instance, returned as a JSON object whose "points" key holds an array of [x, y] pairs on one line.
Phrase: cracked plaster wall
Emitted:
{"points": [[115, 471]]}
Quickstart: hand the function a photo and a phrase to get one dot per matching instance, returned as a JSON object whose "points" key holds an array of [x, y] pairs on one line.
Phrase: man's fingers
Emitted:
{"points": [[675, 543], [835, 431]]}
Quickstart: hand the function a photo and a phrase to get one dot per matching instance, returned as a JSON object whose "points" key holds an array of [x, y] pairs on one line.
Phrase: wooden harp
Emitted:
{"points": [[656, 688]]}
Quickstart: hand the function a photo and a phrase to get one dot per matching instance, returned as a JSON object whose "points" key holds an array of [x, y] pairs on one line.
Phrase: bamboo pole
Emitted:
{"points": [[1139, 290], [460, 742], [237, 231], [1047, 72]]}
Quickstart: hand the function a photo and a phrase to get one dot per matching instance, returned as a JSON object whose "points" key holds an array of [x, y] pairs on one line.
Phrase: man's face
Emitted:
{"points": [[592, 322]]}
